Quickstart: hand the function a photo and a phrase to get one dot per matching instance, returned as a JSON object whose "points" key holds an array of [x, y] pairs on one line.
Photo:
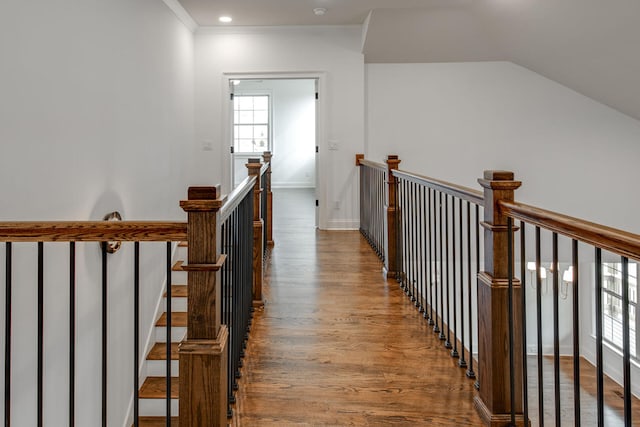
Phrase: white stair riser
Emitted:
{"points": [[177, 334], [177, 305], [158, 368], [157, 407], [178, 277]]}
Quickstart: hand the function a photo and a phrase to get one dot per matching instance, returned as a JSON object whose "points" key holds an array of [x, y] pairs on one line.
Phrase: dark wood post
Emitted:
{"points": [[268, 215], [493, 401], [392, 218], [254, 167], [203, 353]]}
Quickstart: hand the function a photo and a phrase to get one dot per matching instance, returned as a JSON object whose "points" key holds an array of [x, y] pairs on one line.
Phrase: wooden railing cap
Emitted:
{"points": [[393, 161], [204, 193], [358, 158], [499, 180]]}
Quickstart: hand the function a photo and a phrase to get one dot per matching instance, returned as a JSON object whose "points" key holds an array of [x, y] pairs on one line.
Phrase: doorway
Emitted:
{"points": [[278, 115]]}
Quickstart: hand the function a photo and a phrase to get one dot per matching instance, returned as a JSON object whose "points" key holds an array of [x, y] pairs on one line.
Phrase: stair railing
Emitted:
{"points": [[80, 237], [441, 250]]}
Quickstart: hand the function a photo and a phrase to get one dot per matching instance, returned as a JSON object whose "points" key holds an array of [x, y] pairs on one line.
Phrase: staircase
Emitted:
{"points": [[154, 389]]}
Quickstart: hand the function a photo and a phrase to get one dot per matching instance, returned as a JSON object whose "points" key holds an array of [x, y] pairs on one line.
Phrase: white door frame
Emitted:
{"points": [[321, 129]]}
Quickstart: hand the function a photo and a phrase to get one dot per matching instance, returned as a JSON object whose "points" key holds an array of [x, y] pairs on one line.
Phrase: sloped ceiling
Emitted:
{"points": [[591, 46]]}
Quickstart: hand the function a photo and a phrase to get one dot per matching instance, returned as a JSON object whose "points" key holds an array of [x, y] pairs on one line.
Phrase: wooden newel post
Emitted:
{"points": [[254, 167], [392, 217], [268, 215], [203, 353], [493, 401]]}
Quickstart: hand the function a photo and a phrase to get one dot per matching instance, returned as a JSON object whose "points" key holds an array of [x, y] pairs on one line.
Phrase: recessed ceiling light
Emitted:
{"points": [[225, 19], [319, 11]]}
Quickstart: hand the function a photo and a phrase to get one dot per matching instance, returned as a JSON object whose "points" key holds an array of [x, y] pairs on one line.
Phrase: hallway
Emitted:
{"points": [[336, 344]]}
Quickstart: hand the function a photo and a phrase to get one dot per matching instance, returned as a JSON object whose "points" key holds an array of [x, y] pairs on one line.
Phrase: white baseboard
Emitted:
{"points": [[276, 185], [343, 225]]}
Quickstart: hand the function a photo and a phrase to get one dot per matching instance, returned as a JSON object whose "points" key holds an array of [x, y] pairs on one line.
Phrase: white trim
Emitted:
{"points": [[182, 14], [321, 125], [347, 225], [277, 185]]}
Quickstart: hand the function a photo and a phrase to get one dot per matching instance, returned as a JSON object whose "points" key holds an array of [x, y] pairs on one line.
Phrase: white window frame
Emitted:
{"points": [[269, 124], [612, 305]]}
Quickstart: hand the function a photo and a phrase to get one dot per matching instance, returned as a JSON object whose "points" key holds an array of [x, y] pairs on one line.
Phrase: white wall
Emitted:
{"points": [[333, 53], [452, 121], [573, 155], [96, 115], [293, 131]]}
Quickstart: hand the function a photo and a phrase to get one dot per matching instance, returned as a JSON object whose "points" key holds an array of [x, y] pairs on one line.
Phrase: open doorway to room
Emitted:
{"points": [[278, 115]]}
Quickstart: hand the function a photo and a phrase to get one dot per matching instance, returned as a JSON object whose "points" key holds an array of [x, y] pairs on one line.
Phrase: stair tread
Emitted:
{"points": [[156, 388], [183, 244], [178, 319], [159, 351], [156, 421], [178, 291], [177, 266]]}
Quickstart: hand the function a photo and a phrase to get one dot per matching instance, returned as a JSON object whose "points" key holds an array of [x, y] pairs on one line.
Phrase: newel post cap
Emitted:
{"points": [[202, 199], [499, 180]]}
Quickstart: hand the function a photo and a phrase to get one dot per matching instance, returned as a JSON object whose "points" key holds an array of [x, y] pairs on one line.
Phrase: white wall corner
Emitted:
{"points": [[365, 30], [182, 14]]}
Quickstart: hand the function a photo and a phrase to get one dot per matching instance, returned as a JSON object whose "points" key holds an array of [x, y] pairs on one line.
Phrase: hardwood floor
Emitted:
{"points": [[337, 345]]}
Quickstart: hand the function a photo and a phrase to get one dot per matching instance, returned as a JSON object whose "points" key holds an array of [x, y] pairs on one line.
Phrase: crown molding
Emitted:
{"points": [[249, 29], [182, 14]]}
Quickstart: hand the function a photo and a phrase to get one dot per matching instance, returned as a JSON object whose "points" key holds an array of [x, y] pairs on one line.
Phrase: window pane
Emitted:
{"points": [[261, 131], [245, 117], [261, 117], [245, 145], [245, 132], [261, 103], [245, 102]]}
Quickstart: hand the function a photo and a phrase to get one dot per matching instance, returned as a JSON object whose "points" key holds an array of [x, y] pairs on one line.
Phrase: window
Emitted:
{"points": [[251, 123], [612, 306]]}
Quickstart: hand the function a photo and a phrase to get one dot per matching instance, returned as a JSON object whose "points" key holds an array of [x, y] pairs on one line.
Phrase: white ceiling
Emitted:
{"points": [[591, 46], [294, 12]]}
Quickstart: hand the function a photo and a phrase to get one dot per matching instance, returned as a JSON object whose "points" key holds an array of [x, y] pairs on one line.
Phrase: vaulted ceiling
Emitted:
{"points": [[591, 46]]}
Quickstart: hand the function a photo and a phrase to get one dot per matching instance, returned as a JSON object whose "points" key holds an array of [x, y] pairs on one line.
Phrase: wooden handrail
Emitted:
{"points": [[236, 196], [608, 238], [464, 193], [92, 231], [375, 165]]}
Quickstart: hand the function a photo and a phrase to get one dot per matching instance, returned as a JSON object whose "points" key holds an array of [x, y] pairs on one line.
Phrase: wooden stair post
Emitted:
{"points": [[493, 401], [268, 215], [392, 217], [203, 353], [254, 167]]}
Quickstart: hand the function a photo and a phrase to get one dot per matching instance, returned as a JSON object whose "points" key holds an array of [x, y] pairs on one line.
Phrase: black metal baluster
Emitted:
{"points": [[599, 355], [72, 333], [447, 343], [440, 315], [40, 333], [454, 352], [556, 329], [523, 296], [410, 222], [136, 333], [168, 343], [414, 234], [626, 353], [512, 374], [7, 334], [432, 266], [539, 329], [403, 212], [104, 333], [470, 373], [422, 300], [576, 333], [462, 362], [428, 257], [477, 219]]}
